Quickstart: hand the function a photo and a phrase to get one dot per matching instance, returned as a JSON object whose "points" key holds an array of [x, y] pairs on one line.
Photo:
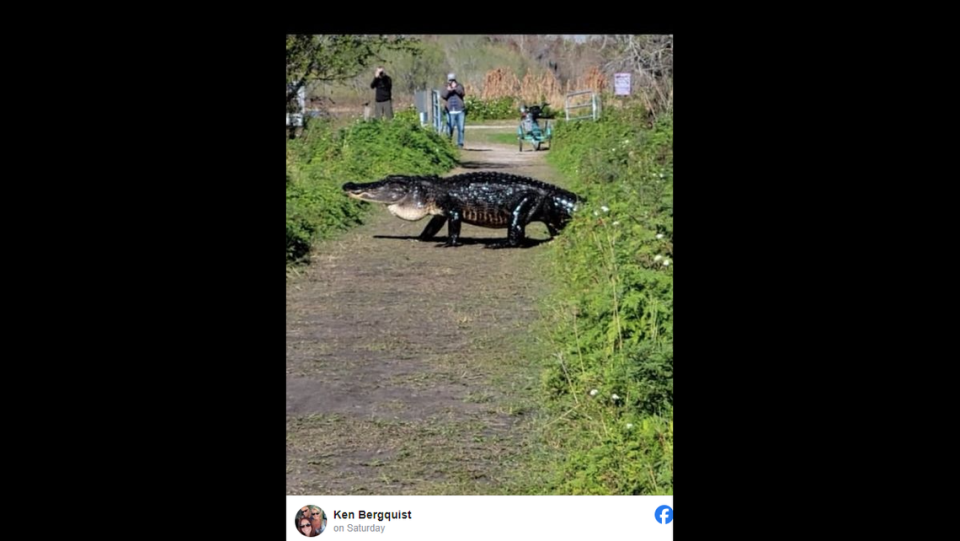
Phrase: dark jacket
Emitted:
{"points": [[454, 98], [384, 85]]}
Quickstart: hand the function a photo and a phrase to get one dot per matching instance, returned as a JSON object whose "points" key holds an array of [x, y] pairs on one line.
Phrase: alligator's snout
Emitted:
{"points": [[356, 191], [386, 191]]}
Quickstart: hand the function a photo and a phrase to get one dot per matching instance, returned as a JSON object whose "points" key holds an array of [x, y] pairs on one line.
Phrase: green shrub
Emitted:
{"points": [[323, 159], [611, 376], [497, 109]]}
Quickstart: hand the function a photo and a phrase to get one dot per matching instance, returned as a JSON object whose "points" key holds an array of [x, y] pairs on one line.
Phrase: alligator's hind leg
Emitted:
{"points": [[555, 224], [552, 230], [433, 227], [521, 216], [453, 229]]}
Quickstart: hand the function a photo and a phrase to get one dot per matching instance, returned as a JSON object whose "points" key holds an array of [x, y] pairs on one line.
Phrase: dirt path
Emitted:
{"points": [[410, 368]]}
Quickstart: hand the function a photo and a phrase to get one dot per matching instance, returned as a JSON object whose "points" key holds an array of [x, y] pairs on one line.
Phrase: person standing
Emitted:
{"points": [[384, 85], [455, 107]]}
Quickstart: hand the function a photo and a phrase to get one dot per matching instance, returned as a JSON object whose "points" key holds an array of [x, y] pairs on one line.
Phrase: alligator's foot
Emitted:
{"points": [[449, 244]]}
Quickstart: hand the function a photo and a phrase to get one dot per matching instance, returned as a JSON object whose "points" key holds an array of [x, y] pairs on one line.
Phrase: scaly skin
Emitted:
{"points": [[486, 199]]}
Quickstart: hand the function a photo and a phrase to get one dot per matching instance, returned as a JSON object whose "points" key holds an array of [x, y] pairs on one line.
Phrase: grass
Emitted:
{"points": [[608, 380], [504, 138]]}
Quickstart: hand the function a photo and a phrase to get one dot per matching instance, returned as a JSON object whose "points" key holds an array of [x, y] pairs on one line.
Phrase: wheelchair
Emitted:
{"points": [[529, 128]]}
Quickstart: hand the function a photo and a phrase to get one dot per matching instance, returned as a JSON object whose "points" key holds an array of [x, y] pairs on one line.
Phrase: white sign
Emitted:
{"points": [[621, 84]]}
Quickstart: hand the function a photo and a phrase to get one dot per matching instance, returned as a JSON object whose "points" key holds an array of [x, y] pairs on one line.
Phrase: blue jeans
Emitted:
{"points": [[456, 119]]}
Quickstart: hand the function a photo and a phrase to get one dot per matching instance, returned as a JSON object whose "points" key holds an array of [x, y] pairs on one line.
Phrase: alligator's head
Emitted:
{"points": [[403, 196], [387, 191]]}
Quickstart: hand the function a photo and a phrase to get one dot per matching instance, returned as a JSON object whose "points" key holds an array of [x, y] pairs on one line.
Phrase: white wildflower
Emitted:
{"points": [[657, 257], [605, 208], [629, 426], [616, 223], [659, 235], [594, 392], [615, 397], [595, 213], [666, 262]]}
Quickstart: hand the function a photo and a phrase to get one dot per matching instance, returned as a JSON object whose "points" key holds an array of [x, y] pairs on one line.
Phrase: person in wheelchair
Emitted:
{"points": [[528, 119]]}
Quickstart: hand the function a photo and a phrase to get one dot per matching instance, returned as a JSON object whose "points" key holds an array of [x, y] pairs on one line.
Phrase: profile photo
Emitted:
{"points": [[311, 521]]}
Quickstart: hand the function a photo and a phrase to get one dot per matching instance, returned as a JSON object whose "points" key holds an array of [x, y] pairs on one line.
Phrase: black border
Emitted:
{"points": [[191, 235]]}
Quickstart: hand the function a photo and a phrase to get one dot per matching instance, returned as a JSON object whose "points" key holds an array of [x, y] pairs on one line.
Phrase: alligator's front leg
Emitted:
{"points": [[519, 219], [453, 228], [433, 227]]}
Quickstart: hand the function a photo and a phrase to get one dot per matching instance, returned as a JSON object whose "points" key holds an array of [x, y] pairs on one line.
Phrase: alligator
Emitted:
{"points": [[484, 198]]}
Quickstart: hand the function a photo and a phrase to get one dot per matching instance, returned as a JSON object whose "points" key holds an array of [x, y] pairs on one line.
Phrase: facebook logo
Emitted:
{"points": [[663, 514]]}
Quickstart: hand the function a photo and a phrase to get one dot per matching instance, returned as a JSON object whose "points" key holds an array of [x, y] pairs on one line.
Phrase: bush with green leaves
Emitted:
{"points": [[506, 108], [323, 159], [496, 109], [610, 378]]}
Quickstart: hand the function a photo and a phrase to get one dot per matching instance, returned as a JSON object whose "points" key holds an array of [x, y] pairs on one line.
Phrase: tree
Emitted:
{"points": [[331, 58], [414, 72], [651, 58]]}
